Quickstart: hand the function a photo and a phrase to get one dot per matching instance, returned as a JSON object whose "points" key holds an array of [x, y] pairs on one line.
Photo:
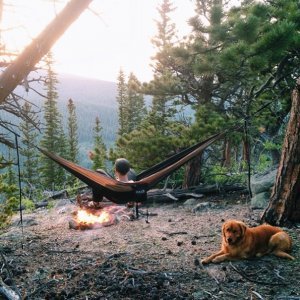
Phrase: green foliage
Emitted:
{"points": [[149, 145], [72, 132], [121, 99], [53, 138], [28, 204], [8, 200], [221, 175], [264, 163], [269, 145], [99, 152], [72, 138], [50, 205], [131, 104], [135, 109], [30, 176]]}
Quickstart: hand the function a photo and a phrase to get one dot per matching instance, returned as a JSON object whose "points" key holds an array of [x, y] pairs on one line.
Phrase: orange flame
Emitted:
{"points": [[88, 218]]}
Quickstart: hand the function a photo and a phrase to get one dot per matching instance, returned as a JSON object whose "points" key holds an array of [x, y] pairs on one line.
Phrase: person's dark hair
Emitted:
{"points": [[122, 166]]}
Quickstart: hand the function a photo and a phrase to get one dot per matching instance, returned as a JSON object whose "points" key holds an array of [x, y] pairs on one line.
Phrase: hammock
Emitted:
{"points": [[123, 192]]}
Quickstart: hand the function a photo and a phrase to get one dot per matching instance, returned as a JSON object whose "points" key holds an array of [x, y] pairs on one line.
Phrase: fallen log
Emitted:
{"points": [[196, 192], [57, 194], [41, 204], [7, 292]]}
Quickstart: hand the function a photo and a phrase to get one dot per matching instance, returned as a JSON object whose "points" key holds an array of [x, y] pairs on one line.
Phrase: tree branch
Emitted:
{"points": [[40, 46]]}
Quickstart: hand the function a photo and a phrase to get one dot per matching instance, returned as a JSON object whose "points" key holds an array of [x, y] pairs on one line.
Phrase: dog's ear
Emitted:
{"points": [[223, 229], [242, 227]]}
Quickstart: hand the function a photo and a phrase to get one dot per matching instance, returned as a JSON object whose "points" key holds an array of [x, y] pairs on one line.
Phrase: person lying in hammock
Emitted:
{"points": [[124, 173]]}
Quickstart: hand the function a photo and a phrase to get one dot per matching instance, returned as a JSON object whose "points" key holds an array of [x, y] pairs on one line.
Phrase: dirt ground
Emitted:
{"points": [[158, 259]]}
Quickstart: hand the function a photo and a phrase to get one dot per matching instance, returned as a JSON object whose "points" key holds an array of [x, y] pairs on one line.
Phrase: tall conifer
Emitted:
{"points": [[53, 137], [163, 41], [72, 132], [72, 138], [99, 152], [121, 99], [135, 105], [30, 156]]}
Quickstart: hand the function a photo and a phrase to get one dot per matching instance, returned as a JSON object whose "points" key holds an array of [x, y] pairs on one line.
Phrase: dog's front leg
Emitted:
{"points": [[223, 257], [212, 257]]}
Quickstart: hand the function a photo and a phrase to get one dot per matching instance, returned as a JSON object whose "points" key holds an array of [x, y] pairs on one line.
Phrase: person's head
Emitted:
{"points": [[122, 166]]}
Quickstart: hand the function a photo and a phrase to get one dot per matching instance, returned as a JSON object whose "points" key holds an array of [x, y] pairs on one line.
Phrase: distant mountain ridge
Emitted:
{"points": [[92, 98], [87, 90]]}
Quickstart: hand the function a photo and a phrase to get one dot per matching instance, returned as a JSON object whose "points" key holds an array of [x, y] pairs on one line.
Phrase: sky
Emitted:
{"points": [[97, 44]]}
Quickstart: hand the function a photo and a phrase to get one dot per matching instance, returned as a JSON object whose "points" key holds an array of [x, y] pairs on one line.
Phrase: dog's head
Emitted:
{"points": [[233, 231]]}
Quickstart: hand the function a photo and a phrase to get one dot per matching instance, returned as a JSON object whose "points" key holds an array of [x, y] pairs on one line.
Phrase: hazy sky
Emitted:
{"points": [[95, 46]]}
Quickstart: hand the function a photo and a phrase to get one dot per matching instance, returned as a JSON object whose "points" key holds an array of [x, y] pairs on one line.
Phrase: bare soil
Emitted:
{"points": [[158, 259]]}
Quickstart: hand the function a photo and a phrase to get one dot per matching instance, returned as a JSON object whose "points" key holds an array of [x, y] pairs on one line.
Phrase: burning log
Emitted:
{"points": [[91, 219]]}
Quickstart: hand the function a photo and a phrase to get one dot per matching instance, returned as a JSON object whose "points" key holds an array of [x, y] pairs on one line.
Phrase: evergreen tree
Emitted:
{"points": [[156, 136], [236, 60], [72, 138], [30, 162], [72, 132], [121, 99], [11, 176], [135, 109], [53, 136], [163, 41], [99, 152], [131, 103], [8, 200]]}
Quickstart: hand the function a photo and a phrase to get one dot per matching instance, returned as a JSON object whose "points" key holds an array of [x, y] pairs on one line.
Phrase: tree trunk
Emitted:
{"points": [[33, 53], [226, 154], [246, 153], [284, 205], [192, 174]]}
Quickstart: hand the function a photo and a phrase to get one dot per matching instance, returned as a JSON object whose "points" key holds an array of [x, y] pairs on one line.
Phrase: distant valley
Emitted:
{"points": [[92, 98]]}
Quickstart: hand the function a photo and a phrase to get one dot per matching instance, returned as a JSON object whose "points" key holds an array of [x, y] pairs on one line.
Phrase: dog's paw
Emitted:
{"points": [[205, 261], [217, 260]]}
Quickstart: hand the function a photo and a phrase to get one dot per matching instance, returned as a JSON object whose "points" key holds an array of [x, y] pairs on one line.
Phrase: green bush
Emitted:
{"points": [[221, 175], [29, 204]]}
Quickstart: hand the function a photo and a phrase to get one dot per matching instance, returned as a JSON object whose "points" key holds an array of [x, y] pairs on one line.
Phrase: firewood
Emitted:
{"points": [[7, 292]]}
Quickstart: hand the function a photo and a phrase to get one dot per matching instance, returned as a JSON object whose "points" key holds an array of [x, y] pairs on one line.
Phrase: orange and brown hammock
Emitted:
{"points": [[122, 192]]}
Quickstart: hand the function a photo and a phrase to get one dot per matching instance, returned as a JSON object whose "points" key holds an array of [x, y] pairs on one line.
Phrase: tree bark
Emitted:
{"points": [[34, 52], [192, 174], [284, 205], [226, 154]]}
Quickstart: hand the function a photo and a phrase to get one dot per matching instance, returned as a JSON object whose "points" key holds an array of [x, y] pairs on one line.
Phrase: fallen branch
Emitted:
{"points": [[192, 192], [256, 281], [7, 292], [173, 233], [5, 289]]}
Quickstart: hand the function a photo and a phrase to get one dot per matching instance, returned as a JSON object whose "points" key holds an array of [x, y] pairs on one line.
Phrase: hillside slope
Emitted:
{"points": [[91, 97]]}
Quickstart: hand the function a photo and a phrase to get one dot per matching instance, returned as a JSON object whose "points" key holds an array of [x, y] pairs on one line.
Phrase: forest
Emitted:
{"points": [[237, 73]]}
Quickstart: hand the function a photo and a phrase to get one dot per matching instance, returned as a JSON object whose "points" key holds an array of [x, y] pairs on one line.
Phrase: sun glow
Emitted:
{"points": [[110, 35]]}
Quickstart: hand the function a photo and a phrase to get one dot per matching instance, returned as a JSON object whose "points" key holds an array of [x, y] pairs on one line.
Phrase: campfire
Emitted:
{"points": [[92, 218]]}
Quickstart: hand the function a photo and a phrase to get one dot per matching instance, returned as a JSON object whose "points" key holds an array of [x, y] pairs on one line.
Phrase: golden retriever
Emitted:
{"points": [[239, 241]]}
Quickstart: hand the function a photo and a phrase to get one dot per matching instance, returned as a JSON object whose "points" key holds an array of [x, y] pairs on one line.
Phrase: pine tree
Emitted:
{"points": [[121, 99], [135, 109], [28, 151], [72, 151], [53, 136], [11, 176], [164, 42], [72, 132], [10, 201], [99, 152]]}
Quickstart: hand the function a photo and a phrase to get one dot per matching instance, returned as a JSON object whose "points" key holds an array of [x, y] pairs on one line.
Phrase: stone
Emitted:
{"points": [[260, 200], [263, 182]]}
